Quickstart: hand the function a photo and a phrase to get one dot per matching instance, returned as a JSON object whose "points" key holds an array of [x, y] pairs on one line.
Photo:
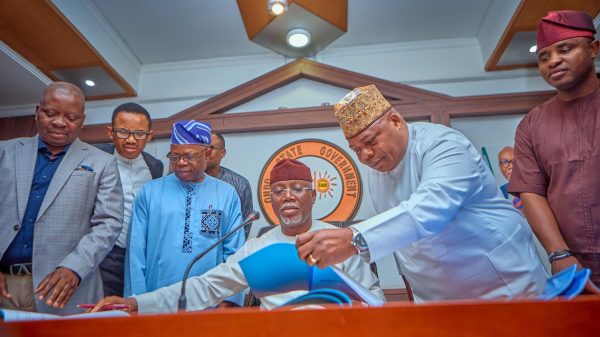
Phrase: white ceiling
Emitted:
{"points": [[159, 31]]}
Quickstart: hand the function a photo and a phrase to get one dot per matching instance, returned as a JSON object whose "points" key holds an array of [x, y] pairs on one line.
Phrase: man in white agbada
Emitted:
{"points": [[292, 198], [441, 213]]}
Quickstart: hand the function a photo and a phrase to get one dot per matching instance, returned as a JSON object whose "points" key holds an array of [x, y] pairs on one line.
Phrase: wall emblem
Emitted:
{"points": [[336, 179]]}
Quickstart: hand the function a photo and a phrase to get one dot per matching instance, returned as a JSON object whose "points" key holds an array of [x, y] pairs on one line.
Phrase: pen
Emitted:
{"points": [[106, 307]]}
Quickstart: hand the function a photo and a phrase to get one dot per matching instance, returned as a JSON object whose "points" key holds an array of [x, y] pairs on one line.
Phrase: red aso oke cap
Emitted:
{"points": [[562, 25], [290, 169]]}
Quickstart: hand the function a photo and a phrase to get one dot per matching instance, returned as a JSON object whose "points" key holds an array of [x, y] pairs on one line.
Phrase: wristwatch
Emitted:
{"points": [[359, 242], [559, 255]]}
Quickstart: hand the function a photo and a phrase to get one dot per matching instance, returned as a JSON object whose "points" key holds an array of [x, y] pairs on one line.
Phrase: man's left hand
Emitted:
{"points": [[325, 247], [58, 287]]}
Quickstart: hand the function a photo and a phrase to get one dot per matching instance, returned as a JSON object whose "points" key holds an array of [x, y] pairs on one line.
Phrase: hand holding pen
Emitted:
{"points": [[104, 307], [114, 303]]}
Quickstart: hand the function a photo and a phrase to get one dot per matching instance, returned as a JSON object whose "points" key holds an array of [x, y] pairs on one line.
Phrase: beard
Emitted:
{"points": [[290, 221]]}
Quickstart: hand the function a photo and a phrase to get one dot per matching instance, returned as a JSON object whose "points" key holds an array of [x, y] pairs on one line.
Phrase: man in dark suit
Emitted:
{"points": [[130, 131], [241, 184], [61, 207]]}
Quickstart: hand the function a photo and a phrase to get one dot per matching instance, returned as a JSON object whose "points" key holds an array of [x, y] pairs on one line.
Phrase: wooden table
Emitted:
{"points": [[557, 318]]}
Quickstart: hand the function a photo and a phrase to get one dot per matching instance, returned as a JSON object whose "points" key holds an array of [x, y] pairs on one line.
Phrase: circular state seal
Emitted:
{"points": [[336, 180]]}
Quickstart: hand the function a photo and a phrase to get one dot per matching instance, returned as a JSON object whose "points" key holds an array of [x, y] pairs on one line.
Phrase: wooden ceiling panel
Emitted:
{"points": [[40, 33], [526, 18]]}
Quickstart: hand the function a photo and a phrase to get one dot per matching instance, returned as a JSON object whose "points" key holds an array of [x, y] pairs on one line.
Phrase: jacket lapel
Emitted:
{"points": [[25, 157], [74, 156]]}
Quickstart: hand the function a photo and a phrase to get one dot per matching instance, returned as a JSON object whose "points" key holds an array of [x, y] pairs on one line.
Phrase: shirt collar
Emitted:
{"points": [[127, 160], [43, 147]]}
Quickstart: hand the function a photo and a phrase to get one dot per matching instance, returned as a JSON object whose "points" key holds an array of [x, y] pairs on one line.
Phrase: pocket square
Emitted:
{"points": [[84, 168]]}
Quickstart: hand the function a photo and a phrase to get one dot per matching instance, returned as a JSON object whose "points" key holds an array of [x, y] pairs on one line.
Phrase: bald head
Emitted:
{"points": [[63, 89], [59, 115], [505, 161]]}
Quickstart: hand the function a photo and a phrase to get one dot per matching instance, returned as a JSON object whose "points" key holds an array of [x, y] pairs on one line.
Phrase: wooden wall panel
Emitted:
{"points": [[413, 103], [14, 127]]}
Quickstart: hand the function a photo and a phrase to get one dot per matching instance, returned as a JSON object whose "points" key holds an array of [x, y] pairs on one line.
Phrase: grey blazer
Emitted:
{"points": [[155, 166], [79, 219]]}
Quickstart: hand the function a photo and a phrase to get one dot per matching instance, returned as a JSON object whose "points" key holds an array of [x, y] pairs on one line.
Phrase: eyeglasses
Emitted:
{"points": [[212, 147], [188, 157], [505, 162], [296, 191], [124, 134]]}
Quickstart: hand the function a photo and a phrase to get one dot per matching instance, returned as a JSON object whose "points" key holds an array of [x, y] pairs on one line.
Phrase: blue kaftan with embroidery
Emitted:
{"points": [[171, 223]]}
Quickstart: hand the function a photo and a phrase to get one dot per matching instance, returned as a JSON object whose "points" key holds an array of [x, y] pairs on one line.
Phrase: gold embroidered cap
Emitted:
{"points": [[359, 109]]}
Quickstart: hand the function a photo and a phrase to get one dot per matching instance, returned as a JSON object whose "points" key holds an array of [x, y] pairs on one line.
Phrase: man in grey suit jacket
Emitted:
{"points": [[130, 131], [61, 208]]}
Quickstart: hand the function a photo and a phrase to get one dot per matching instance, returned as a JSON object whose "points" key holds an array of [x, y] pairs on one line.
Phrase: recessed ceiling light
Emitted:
{"points": [[298, 37], [90, 83], [533, 49], [277, 7]]}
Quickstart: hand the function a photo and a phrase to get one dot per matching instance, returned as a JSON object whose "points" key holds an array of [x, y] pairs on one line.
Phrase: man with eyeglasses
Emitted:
{"points": [[180, 215], [506, 157], [61, 207], [557, 146], [441, 213], [241, 184], [130, 131], [292, 199]]}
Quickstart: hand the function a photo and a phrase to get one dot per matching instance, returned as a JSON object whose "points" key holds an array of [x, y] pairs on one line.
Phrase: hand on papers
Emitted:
{"points": [[58, 286], [325, 246], [561, 264], [3, 287], [107, 301]]}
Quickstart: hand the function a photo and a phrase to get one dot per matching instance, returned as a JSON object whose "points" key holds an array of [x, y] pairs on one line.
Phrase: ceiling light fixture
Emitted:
{"points": [[277, 7], [533, 49], [90, 83], [298, 37]]}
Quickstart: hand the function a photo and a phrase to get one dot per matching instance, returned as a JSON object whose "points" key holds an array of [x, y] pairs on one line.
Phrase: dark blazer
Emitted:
{"points": [[155, 166]]}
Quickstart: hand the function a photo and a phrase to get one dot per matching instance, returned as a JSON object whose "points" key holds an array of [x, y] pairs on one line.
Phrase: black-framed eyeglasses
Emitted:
{"points": [[124, 134], [187, 157], [296, 191], [505, 163]]}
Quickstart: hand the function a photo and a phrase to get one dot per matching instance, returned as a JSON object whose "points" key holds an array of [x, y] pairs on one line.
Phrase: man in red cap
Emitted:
{"points": [[292, 198], [557, 147]]}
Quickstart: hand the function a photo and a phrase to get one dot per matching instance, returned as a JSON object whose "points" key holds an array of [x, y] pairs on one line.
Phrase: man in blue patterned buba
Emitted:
{"points": [[179, 215]]}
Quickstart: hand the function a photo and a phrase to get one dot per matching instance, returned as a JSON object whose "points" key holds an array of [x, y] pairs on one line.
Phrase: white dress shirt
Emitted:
{"points": [[227, 278], [134, 174]]}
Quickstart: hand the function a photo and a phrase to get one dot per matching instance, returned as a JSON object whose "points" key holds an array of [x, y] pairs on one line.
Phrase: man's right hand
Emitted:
{"points": [[561, 264], [4, 287], [131, 302]]}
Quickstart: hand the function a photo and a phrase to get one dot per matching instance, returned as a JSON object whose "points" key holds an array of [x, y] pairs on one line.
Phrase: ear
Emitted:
{"points": [[149, 136], [82, 122], [595, 45], [37, 110], [396, 120], [109, 132], [224, 153], [314, 196]]}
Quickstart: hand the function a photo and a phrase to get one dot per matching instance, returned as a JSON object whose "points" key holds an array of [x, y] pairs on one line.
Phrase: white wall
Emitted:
{"points": [[450, 67]]}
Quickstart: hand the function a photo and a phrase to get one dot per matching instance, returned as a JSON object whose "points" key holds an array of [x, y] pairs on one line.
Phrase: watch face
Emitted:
{"points": [[359, 242]]}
